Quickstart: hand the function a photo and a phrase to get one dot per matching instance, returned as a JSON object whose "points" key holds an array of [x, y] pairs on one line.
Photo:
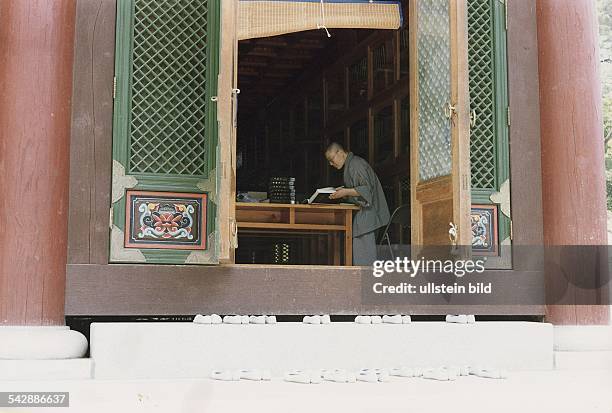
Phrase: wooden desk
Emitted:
{"points": [[333, 219]]}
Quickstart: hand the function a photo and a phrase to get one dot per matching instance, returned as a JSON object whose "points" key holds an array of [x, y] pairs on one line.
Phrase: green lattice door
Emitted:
{"points": [[440, 123], [489, 146], [165, 132]]}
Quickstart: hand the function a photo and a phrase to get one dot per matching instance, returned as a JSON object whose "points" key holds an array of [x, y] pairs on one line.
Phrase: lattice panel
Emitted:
{"points": [[481, 49], [358, 82], [168, 104], [359, 138], [433, 43], [359, 71], [379, 56]]}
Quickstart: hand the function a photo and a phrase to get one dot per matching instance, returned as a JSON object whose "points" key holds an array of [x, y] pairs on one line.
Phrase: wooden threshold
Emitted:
{"points": [[121, 289]]}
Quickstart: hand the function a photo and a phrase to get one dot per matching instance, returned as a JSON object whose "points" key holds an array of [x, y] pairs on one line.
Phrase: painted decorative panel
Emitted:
{"points": [[433, 51], [484, 229], [165, 220]]}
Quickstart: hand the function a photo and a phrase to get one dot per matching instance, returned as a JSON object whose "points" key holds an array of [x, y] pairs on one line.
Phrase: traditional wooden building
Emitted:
{"points": [[124, 118]]}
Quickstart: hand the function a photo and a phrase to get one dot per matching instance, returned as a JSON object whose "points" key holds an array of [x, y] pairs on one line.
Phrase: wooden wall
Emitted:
{"points": [[95, 287], [525, 162], [92, 128]]}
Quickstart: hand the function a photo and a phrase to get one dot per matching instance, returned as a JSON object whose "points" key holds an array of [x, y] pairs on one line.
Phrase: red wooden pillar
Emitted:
{"points": [[573, 181], [37, 41]]}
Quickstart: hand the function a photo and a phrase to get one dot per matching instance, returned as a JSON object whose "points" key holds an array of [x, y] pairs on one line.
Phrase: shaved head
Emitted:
{"points": [[335, 155], [333, 147]]}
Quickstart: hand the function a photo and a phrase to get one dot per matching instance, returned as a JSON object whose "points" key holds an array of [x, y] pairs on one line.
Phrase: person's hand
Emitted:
{"points": [[340, 193]]}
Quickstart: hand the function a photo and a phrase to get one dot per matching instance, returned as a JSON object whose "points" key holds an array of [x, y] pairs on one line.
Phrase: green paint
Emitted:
{"points": [[165, 104], [489, 96]]}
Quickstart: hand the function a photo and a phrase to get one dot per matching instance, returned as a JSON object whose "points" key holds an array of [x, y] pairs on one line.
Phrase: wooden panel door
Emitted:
{"points": [[440, 169]]}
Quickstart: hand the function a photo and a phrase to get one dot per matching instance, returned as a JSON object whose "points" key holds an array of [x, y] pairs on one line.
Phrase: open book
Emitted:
{"points": [[321, 196]]}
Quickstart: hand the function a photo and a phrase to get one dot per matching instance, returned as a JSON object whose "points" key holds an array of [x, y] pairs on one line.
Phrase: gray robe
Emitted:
{"points": [[374, 212]]}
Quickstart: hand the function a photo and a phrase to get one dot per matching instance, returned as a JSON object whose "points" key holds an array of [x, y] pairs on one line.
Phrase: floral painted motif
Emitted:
{"points": [[484, 229], [165, 220]]}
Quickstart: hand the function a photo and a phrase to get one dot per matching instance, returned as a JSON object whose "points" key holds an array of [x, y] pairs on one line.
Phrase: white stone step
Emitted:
{"points": [[68, 369], [583, 360], [583, 338], [187, 350], [529, 392]]}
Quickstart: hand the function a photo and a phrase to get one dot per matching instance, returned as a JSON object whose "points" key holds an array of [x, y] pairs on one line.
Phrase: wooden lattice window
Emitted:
{"points": [[488, 96], [489, 146]]}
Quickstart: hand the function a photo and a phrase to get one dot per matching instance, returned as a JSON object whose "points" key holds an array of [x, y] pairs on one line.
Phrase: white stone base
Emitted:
{"points": [[41, 343], [583, 360], [187, 350], [28, 370], [583, 338], [583, 347], [528, 392]]}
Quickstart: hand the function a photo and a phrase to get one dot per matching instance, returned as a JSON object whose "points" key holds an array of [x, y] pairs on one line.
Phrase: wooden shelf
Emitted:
{"points": [[265, 205], [334, 219], [313, 227]]}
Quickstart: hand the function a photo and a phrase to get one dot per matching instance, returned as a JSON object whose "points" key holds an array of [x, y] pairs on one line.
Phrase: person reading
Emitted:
{"points": [[361, 187]]}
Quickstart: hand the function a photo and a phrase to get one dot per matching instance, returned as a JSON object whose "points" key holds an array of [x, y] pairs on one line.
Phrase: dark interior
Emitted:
{"points": [[302, 91]]}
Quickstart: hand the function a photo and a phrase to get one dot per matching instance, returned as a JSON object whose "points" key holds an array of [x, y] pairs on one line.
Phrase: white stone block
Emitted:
{"points": [[187, 350], [583, 360], [583, 338], [28, 370]]}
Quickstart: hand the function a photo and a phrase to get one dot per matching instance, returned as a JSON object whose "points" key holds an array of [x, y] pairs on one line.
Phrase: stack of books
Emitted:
{"points": [[281, 190]]}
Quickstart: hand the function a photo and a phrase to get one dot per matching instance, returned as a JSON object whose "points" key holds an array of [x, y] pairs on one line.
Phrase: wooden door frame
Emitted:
{"points": [[226, 213], [460, 95]]}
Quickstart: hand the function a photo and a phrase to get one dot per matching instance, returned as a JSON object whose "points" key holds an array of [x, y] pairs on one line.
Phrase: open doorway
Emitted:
{"points": [[399, 99], [299, 93]]}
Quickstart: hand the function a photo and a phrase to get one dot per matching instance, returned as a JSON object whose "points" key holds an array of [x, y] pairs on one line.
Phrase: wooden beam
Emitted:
{"points": [[262, 289]]}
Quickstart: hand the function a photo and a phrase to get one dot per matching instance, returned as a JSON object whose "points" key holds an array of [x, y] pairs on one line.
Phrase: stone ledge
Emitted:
{"points": [[583, 338], [187, 350], [41, 343], [583, 360], [72, 369]]}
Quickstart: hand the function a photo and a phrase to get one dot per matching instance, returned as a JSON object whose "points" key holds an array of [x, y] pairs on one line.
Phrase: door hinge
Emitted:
{"points": [[114, 87], [511, 237], [506, 14], [508, 115], [233, 233], [465, 182]]}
